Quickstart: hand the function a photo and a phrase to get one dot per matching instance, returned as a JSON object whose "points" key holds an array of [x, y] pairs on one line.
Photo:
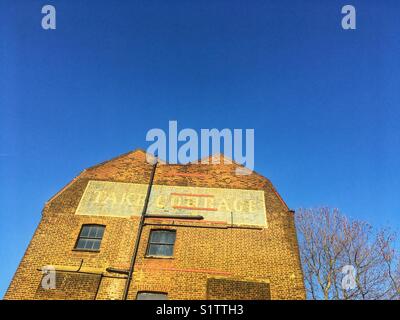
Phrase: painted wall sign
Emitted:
{"points": [[237, 206]]}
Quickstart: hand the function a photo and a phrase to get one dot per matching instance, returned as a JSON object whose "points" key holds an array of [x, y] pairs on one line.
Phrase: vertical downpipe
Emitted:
{"points": [[139, 233]]}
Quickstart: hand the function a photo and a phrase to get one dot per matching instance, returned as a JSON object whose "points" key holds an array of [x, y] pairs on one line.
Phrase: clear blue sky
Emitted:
{"points": [[324, 102]]}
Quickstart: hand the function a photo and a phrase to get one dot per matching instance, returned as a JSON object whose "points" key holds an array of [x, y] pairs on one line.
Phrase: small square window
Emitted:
{"points": [[90, 237], [151, 296], [161, 243]]}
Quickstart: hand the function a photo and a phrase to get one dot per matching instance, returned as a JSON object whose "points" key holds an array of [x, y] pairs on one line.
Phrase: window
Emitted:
{"points": [[151, 296], [90, 237], [161, 243]]}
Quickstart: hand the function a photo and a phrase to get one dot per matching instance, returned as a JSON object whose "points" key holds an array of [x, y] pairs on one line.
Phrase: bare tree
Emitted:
{"points": [[346, 259]]}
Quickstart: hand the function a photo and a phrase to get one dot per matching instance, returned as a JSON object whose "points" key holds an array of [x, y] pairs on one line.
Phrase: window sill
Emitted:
{"points": [[86, 250], [159, 257]]}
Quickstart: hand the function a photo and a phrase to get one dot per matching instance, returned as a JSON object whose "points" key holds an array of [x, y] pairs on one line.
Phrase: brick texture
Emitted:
{"points": [[210, 261], [237, 290]]}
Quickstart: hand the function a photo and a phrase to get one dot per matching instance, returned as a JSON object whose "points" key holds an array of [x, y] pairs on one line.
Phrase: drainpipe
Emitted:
{"points": [[139, 233]]}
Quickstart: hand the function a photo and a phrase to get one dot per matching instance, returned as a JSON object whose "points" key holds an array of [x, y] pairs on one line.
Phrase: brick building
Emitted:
{"points": [[207, 234]]}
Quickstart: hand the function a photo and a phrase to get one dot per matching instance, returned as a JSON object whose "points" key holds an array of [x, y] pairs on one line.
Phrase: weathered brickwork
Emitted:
{"points": [[252, 262], [238, 289], [83, 285]]}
